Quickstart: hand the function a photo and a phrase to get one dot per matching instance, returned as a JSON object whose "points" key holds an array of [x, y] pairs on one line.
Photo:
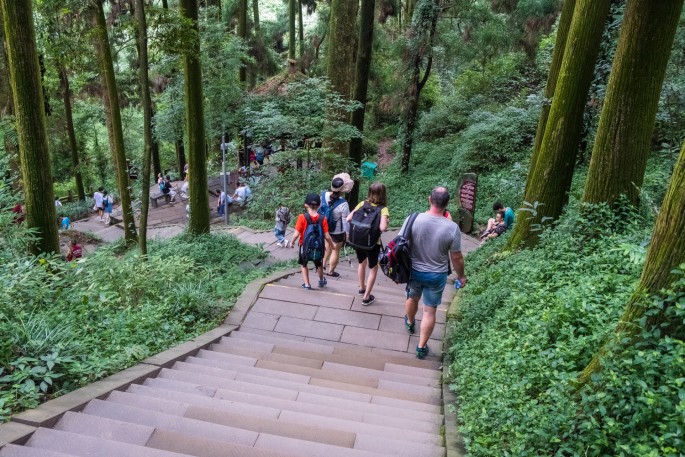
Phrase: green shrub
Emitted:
{"points": [[76, 210], [531, 320]]}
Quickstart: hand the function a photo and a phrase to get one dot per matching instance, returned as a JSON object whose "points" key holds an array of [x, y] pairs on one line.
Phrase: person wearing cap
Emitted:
{"points": [[311, 205], [340, 210]]}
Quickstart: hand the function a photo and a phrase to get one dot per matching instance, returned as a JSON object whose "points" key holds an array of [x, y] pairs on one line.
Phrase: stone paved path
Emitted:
{"points": [[294, 373]]}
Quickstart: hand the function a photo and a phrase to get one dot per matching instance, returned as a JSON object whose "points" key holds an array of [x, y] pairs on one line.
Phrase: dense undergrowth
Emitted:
{"points": [[529, 321], [64, 325]]}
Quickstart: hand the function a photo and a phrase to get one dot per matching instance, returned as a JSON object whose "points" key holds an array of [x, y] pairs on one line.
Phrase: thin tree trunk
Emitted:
{"points": [[114, 119], [242, 32], [624, 134], [7, 109], [195, 126], [146, 101], [421, 47], [300, 29], [361, 85], [180, 154], [666, 253], [75, 162], [255, 16], [291, 29], [25, 79], [552, 77], [551, 178]]}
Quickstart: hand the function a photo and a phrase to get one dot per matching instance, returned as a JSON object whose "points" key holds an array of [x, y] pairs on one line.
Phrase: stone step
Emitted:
{"points": [[212, 358], [12, 450], [285, 345], [345, 368], [100, 427], [349, 287], [178, 442], [169, 422], [232, 401], [235, 344], [309, 449], [214, 377], [87, 446], [312, 297], [278, 397]]}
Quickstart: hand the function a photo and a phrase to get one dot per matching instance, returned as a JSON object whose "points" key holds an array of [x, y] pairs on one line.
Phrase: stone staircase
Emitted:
{"points": [[307, 373]]}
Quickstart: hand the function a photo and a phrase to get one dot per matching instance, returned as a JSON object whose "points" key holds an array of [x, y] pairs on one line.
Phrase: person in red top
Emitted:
{"points": [[75, 251], [311, 204], [18, 211]]}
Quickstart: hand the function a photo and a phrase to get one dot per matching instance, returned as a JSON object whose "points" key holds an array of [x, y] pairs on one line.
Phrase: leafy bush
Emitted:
{"points": [[531, 320], [76, 210], [63, 325]]}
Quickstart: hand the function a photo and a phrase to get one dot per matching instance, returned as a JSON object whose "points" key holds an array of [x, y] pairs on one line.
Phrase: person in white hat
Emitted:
{"points": [[338, 229]]}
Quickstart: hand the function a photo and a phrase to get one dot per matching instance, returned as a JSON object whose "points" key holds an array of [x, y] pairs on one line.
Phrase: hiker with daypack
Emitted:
{"points": [[368, 220], [335, 209], [282, 221], [435, 241], [312, 231]]}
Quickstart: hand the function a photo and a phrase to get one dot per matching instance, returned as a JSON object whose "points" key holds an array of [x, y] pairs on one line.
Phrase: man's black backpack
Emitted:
{"points": [[314, 243], [395, 258], [365, 227]]}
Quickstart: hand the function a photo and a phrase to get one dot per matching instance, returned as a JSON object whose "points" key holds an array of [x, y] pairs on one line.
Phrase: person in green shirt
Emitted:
{"points": [[508, 213]]}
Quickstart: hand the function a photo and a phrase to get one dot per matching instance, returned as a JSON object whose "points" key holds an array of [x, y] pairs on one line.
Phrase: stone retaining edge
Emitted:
{"points": [[454, 441], [22, 425]]}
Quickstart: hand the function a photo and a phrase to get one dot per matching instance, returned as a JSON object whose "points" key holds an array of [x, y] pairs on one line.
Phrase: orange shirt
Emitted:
{"points": [[301, 225]]}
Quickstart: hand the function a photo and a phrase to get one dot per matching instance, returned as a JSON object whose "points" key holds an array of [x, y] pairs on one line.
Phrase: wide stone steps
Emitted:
{"points": [[307, 373]]}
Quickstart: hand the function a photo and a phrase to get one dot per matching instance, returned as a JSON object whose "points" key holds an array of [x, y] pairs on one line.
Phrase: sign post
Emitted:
{"points": [[467, 188]]}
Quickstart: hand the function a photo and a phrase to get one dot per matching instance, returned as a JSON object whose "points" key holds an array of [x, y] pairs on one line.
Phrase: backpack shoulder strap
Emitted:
{"points": [[308, 218], [410, 223]]}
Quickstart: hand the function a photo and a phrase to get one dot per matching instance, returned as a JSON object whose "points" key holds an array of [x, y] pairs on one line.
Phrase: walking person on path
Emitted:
{"points": [[282, 221], [435, 240], [339, 210], [107, 207], [367, 251], [312, 230], [97, 196]]}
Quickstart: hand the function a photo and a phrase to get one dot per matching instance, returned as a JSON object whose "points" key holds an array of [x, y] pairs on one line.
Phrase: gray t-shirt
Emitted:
{"points": [[432, 239], [340, 214]]}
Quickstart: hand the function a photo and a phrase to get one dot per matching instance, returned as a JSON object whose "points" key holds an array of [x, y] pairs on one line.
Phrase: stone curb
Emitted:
{"points": [[22, 425], [454, 441]]}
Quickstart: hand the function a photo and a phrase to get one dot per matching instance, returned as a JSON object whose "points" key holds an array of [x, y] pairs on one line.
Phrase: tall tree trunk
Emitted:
{"points": [[242, 33], [25, 79], [424, 26], [255, 16], [624, 134], [409, 11], [553, 76], [114, 119], [146, 101], [75, 162], [7, 108], [341, 54], [300, 29], [180, 154], [666, 253], [550, 180], [195, 126], [291, 29], [361, 84]]}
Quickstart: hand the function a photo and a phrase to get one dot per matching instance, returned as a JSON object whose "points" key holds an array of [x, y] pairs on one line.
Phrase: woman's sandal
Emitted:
{"points": [[335, 274]]}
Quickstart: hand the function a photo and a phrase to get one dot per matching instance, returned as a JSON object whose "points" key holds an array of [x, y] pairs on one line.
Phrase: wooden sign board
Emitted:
{"points": [[467, 189]]}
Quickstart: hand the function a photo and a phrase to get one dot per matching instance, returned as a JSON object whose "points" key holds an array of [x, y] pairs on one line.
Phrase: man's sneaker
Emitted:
{"points": [[421, 353], [369, 301], [306, 287], [286, 243], [323, 282], [410, 327]]}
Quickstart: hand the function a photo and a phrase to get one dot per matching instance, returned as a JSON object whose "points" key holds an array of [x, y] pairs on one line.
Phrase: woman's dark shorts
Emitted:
{"points": [[372, 255]]}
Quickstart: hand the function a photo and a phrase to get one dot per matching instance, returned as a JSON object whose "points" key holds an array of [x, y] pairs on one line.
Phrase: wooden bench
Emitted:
{"points": [[154, 199]]}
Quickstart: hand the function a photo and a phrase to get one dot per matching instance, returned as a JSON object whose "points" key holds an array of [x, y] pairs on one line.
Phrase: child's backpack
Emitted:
{"points": [[283, 215], [314, 243], [395, 258], [326, 210], [365, 227]]}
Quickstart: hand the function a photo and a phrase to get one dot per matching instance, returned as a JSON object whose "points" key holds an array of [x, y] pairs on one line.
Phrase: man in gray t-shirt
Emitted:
{"points": [[435, 240]]}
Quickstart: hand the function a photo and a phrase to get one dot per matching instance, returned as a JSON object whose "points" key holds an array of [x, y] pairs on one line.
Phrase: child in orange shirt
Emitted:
{"points": [[311, 229]]}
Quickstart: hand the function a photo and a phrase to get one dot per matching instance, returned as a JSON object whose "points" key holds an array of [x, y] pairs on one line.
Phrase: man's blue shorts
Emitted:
{"points": [[430, 285]]}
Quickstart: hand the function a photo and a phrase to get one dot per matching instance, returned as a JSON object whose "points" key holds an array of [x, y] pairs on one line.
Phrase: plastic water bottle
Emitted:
{"points": [[457, 284]]}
